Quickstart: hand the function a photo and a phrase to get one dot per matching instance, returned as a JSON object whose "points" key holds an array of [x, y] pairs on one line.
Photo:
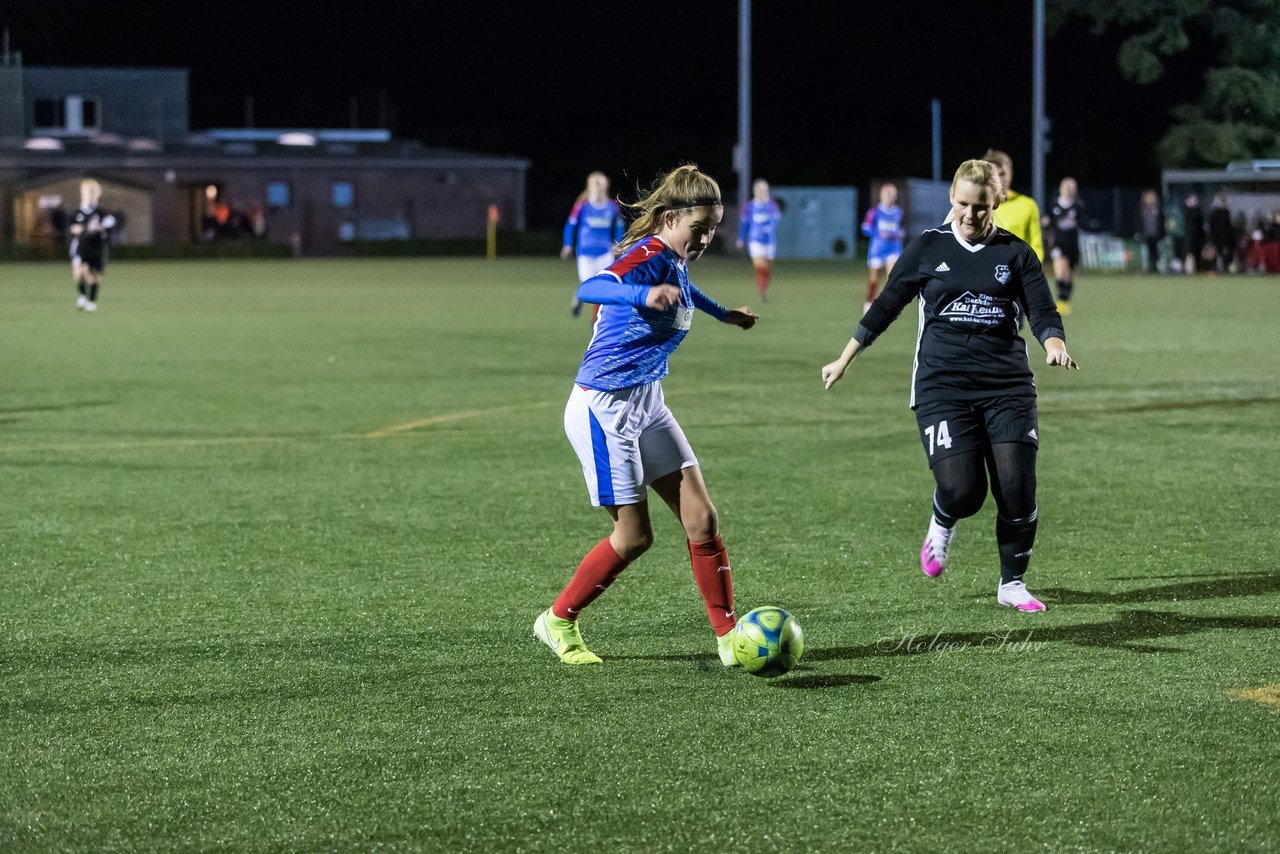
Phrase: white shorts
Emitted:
{"points": [[589, 265], [879, 257], [625, 440], [762, 250]]}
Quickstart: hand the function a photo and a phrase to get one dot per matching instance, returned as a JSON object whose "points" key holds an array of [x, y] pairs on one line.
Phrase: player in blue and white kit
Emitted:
{"points": [[618, 423], [883, 224], [758, 229], [592, 231]]}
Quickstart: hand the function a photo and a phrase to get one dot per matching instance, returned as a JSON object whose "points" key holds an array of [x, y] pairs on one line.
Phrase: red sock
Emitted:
{"points": [[871, 289], [593, 576], [715, 582], [762, 280], [766, 273]]}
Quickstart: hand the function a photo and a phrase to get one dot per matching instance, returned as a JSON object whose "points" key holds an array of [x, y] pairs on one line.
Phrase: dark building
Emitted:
{"points": [[314, 189]]}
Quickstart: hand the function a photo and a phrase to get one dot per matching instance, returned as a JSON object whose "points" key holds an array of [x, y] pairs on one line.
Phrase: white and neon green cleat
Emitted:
{"points": [[724, 646], [564, 637]]}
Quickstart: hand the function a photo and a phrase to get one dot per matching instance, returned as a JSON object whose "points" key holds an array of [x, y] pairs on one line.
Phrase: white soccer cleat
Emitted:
{"points": [[81, 301], [933, 552], [90, 306], [1014, 594]]}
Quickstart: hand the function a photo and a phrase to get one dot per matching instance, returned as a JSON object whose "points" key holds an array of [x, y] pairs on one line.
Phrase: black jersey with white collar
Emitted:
{"points": [[1065, 219], [91, 227], [972, 297]]}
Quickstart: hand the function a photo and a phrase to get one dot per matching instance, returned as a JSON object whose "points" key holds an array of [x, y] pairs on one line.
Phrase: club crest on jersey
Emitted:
{"points": [[974, 308], [1002, 273]]}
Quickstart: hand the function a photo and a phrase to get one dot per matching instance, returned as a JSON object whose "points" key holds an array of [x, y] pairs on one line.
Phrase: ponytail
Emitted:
{"points": [[680, 189]]}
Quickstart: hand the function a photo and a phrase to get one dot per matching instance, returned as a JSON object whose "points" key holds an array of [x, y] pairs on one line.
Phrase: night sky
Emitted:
{"points": [[842, 90]]}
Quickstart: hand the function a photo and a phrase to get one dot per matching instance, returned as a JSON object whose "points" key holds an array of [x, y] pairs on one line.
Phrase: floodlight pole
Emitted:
{"points": [[1039, 123], [935, 111], [742, 154]]}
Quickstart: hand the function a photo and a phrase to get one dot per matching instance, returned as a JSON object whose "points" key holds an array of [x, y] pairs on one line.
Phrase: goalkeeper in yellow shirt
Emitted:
{"points": [[1018, 214]]}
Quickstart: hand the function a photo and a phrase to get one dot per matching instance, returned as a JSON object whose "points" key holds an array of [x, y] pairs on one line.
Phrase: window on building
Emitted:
{"points": [[74, 114], [50, 113], [344, 194], [277, 194]]}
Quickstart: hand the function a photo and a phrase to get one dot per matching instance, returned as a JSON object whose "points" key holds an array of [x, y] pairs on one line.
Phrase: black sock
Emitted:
{"points": [[82, 288], [1015, 538], [1064, 289], [944, 518], [93, 292]]}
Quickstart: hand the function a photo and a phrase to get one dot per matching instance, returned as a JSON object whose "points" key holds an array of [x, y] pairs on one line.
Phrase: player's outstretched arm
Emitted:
{"points": [[1056, 354], [831, 373], [661, 297], [742, 317]]}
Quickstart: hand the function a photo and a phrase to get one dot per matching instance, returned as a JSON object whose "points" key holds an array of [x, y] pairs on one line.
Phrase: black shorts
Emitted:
{"points": [[92, 254], [1068, 250], [957, 426]]}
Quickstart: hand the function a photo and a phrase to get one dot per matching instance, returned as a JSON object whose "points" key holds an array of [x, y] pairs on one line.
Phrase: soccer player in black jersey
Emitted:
{"points": [[1063, 221], [972, 388], [90, 234]]}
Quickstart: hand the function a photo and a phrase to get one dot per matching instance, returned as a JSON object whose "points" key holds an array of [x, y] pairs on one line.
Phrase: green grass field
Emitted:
{"points": [[275, 534]]}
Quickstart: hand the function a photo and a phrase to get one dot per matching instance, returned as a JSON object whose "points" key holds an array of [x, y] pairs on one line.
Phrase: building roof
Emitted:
{"points": [[250, 148], [1237, 172]]}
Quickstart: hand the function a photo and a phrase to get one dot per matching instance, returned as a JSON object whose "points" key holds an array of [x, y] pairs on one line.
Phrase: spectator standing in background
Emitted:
{"points": [[1222, 234], [1240, 225], [1151, 222], [1175, 229], [1193, 227]]}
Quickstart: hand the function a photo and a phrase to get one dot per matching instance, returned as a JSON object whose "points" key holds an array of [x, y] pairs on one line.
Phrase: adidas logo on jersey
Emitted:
{"points": [[942, 268]]}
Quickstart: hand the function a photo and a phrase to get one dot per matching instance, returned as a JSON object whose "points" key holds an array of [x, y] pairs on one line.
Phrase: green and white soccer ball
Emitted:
{"points": [[768, 642]]}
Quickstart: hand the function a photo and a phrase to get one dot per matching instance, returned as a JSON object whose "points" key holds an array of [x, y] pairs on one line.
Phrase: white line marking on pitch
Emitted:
{"points": [[393, 430], [450, 417]]}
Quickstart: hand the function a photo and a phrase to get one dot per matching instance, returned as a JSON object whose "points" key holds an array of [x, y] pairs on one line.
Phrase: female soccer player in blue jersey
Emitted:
{"points": [[758, 229], [592, 231], [971, 385], [883, 224], [617, 421]]}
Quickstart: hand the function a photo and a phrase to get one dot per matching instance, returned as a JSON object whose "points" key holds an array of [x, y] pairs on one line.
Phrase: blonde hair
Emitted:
{"points": [[680, 189], [90, 184], [979, 172], [586, 189]]}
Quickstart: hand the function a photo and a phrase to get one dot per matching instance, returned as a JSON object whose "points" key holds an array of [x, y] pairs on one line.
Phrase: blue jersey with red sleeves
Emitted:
{"points": [[593, 230], [759, 222], [884, 226], [631, 342]]}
